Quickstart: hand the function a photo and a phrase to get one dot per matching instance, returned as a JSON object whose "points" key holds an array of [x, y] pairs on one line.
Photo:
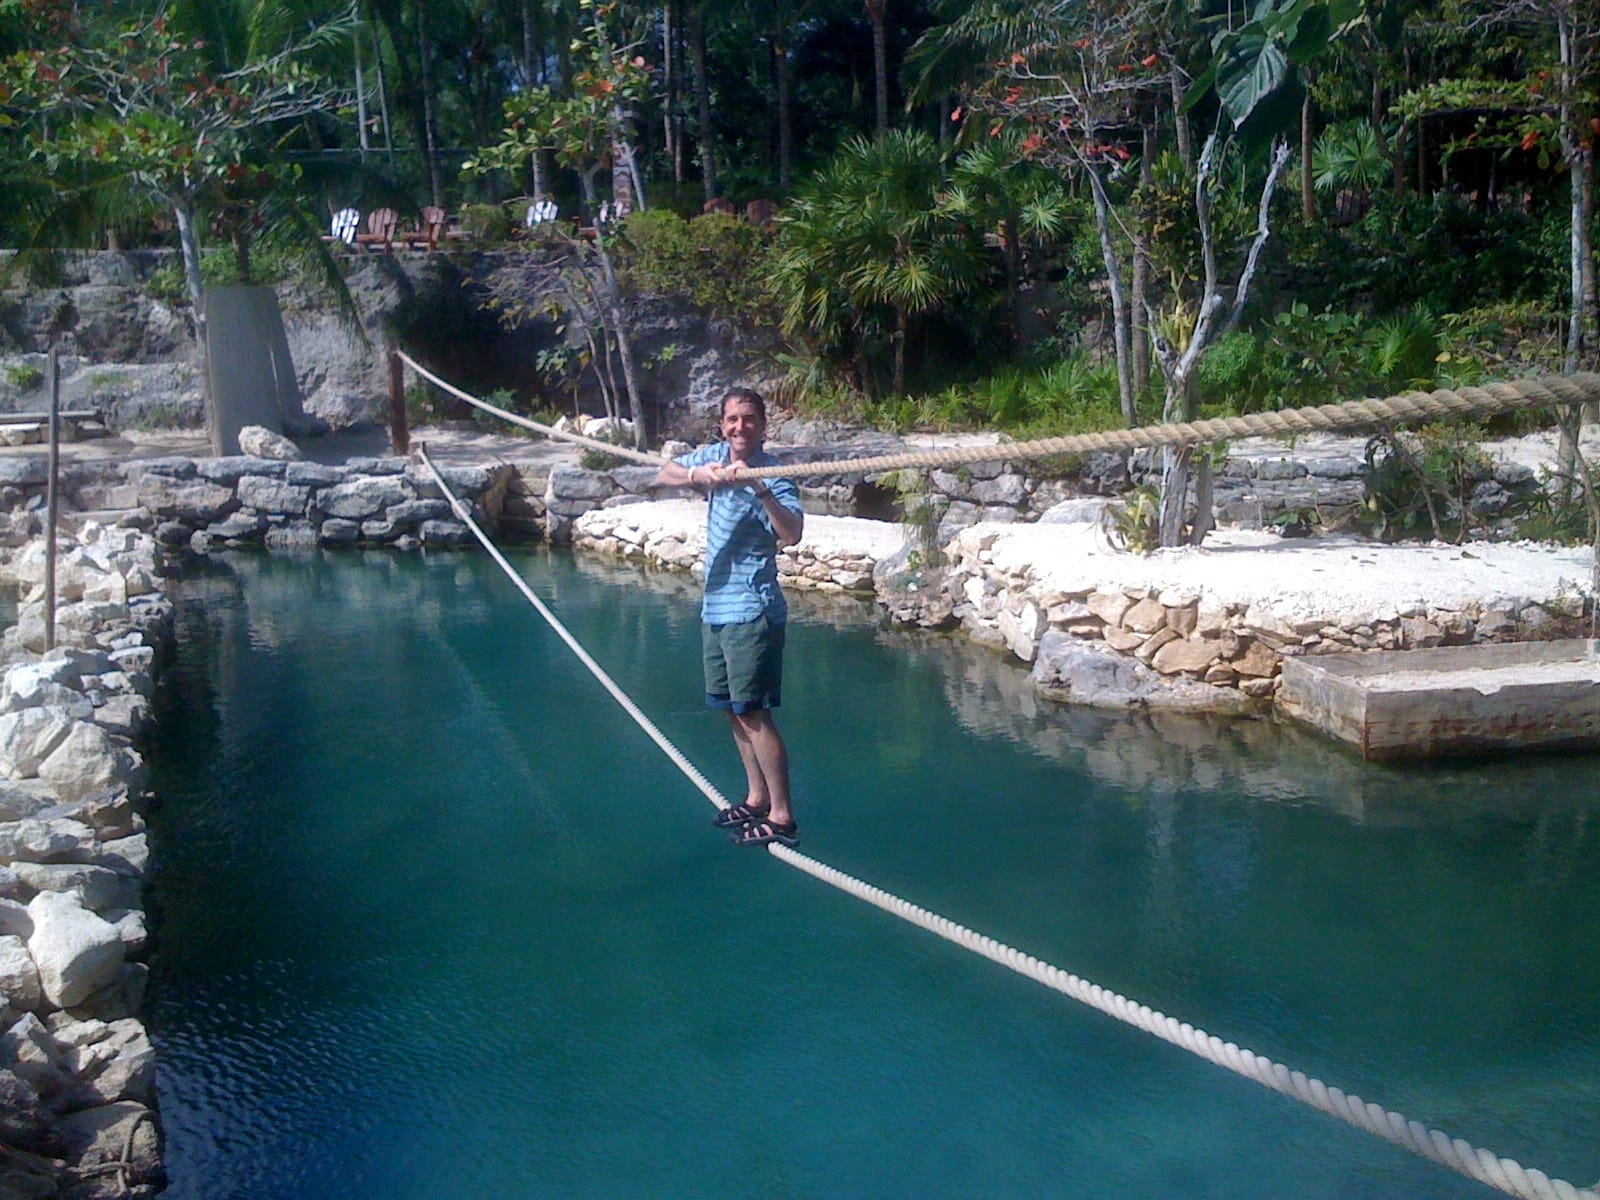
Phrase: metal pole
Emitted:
{"points": [[51, 507], [399, 434]]}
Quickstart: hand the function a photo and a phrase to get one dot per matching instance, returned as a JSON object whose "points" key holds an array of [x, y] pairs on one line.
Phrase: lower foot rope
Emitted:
{"points": [[1504, 1174]]}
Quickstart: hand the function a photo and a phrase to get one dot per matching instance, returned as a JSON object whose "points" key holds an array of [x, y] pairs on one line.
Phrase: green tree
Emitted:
{"points": [[139, 107], [865, 248], [586, 130], [997, 187]]}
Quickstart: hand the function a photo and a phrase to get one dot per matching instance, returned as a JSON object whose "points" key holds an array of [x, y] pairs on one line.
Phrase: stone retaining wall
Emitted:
{"points": [[1141, 646], [77, 1070], [245, 500]]}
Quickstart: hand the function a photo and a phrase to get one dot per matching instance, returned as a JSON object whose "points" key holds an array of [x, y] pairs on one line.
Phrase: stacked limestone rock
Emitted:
{"points": [[77, 1071], [248, 500], [1134, 646]]}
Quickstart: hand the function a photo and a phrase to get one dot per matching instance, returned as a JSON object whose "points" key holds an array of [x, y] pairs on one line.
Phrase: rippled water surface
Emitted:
{"points": [[434, 920]]}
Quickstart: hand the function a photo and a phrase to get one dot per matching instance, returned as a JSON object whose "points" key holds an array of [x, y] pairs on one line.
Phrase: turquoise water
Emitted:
{"points": [[433, 920]]}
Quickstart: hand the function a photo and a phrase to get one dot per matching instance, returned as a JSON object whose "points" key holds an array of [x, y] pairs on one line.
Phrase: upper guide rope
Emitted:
{"points": [[1505, 1174], [1547, 392]]}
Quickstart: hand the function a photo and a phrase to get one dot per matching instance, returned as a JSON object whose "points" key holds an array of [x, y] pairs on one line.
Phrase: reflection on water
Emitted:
{"points": [[432, 920], [1149, 751]]}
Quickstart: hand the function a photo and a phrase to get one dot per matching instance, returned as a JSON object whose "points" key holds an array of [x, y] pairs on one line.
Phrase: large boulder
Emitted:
{"points": [[49, 840], [194, 502], [274, 496], [25, 1123], [90, 760], [364, 497], [77, 951], [30, 1053], [1067, 670], [29, 736], [115, 1149], [19, 976], [99, 887], [118, 1064], [260, 442]]}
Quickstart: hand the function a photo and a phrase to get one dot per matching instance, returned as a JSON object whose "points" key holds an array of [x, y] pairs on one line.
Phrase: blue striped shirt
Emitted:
{"points": [[741, 546]]}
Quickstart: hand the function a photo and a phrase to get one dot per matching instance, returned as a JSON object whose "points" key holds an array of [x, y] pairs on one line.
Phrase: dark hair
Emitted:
{"points": [[745, 396]]}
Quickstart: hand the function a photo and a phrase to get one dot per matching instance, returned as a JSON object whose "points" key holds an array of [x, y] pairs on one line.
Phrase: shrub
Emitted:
{"points": [[715, 261], [489, 223], [1418, 484], [1133, 523], [24, 376]]}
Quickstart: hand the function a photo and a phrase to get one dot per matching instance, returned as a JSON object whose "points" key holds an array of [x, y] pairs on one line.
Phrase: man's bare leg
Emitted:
{"points": [[766, 762]]}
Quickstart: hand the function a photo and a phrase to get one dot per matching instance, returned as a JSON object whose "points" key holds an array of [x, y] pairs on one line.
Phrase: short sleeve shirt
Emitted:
{"points": [[741, 545]]}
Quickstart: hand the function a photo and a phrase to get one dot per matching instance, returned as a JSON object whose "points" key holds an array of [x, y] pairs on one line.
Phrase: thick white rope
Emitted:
{"points": [[1505, 1174], [1411, 406]]}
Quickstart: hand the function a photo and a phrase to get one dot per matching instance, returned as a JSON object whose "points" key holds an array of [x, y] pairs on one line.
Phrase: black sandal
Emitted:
{"points": [[764, 830], [738, 814]]}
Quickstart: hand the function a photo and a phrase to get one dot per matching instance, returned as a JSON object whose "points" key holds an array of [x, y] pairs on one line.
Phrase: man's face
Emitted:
{"points": [[743, 426]]}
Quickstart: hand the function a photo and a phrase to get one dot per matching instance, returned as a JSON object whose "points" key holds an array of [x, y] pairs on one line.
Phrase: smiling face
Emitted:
{"points": [[744, 426]]}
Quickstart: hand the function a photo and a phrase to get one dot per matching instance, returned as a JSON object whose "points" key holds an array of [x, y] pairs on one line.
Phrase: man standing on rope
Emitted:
{"points": [[744, 613]]}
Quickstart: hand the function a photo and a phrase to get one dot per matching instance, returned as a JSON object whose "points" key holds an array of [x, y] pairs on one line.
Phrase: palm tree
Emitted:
{"points": [[997, 187], [865, 248]]}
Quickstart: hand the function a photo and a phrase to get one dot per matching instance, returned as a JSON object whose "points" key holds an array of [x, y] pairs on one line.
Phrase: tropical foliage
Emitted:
{"points": [[972, 197]]}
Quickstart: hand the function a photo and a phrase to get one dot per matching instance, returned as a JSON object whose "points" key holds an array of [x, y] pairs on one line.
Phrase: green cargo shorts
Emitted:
{"points": [[744, 665]]}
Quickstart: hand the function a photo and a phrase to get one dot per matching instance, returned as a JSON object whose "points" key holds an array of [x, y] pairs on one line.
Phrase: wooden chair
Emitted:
{"points": [[381, 224], [342, 229], [430, 225]]}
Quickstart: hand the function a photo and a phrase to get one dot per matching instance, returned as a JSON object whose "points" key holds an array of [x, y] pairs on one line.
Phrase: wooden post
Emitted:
{"points": [[399, 435], [52, 507]]}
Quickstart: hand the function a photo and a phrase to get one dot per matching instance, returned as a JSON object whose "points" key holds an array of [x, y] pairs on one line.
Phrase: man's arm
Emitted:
{"points": [[787, 524], [675, 475]]}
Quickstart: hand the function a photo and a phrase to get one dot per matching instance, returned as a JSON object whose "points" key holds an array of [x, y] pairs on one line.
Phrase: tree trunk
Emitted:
{"points": [[383, 89], [880, 59], [189, 248], [669, 89], [430, 129], [619, 327], [361, 94], [900, 325], [702, 95], [1175, 462], [1120, 336], [1180, 121], [241, 252], [1011, 235], [1581, 313], [1308, 191], [1394, 152], [1140, 288], [780, 52], [530, 41]]}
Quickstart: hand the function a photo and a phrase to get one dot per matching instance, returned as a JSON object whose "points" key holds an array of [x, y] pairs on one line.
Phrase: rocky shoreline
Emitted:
{"points": [[77, 1070]]}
